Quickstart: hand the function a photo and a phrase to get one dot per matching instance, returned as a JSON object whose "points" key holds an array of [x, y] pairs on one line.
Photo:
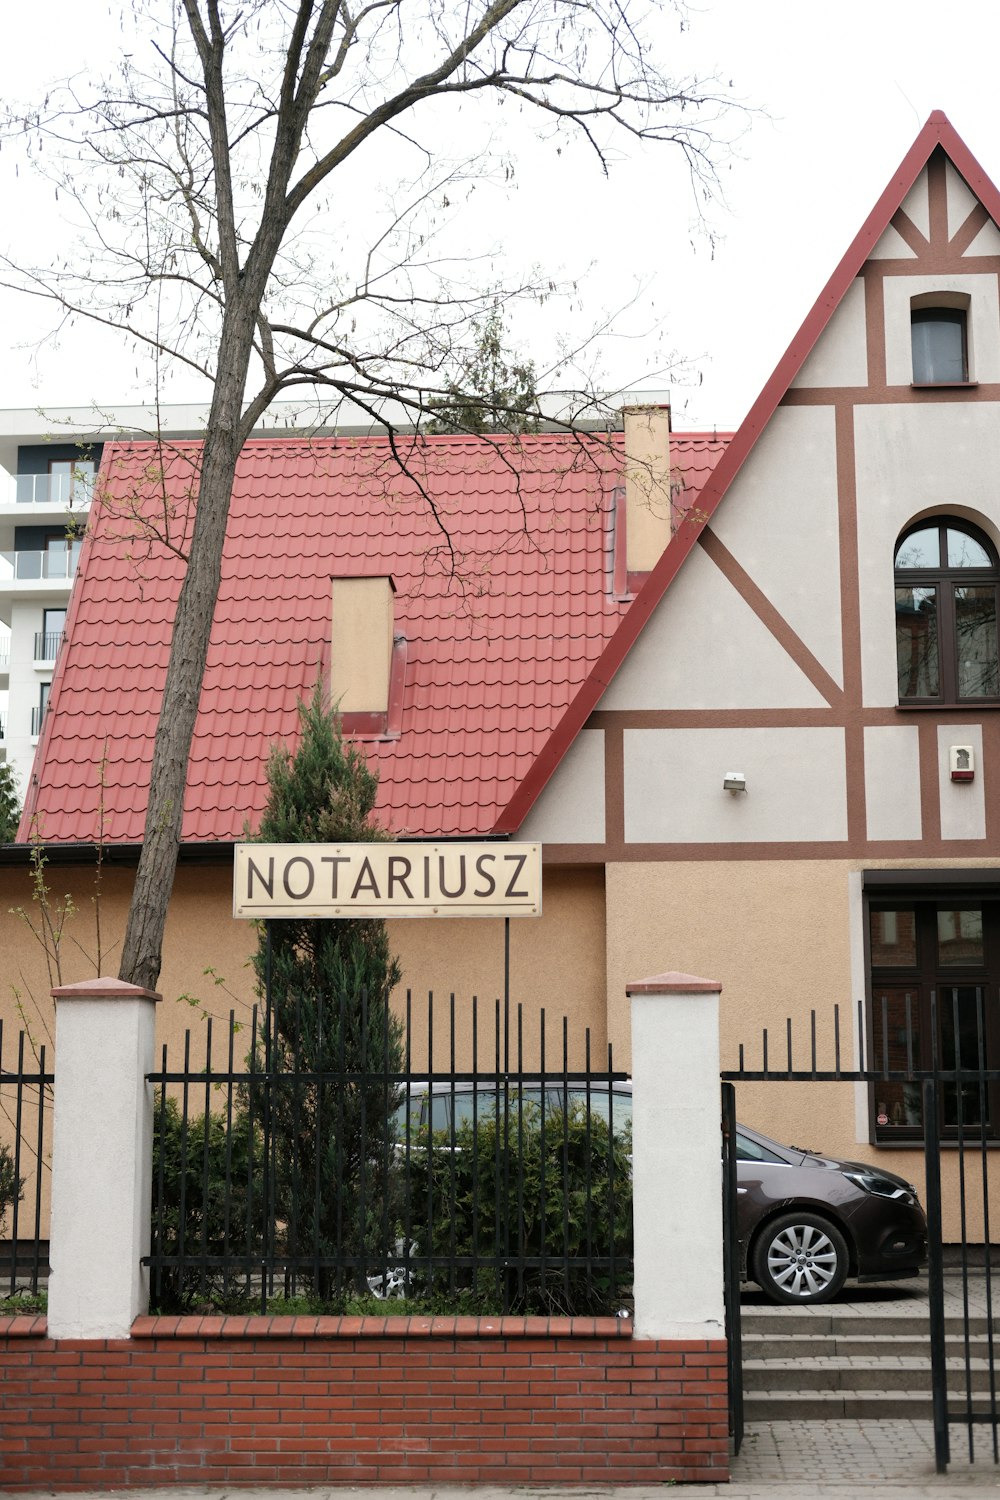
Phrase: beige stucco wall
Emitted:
{"points": [[916, 205], [986, 242], [892, 246], [963, 803], [892, 781], [557, 960], [796, 785], [571, 808], [961, 199], [780, 518], [841, 355], [705, 648], [201, 933], [782, 938]]}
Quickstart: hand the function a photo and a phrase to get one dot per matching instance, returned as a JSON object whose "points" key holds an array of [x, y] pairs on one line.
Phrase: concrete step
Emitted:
{"points": [[860, 1375], [816, 1321], [824, 1346], [835, 1406]]}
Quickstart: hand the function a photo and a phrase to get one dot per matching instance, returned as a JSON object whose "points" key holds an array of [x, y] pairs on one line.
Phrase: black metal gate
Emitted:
{"points": [[958, 1113], [732, 1259]]}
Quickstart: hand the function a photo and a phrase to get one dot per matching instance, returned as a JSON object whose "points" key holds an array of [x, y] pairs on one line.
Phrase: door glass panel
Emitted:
{"points": [[894, 939], [897, 1050], [922, 549], [965, 552], [962, 1047], [917, 643], [976, 642], [960, 937]]}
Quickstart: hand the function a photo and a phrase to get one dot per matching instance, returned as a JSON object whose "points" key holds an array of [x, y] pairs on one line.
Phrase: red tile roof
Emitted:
{"points": [[496, 651]]}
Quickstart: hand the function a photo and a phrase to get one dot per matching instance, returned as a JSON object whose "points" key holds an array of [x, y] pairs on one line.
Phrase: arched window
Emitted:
{"points": [[946, 614]]}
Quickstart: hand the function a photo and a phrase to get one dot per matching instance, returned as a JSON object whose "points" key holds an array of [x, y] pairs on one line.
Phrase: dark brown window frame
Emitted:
{"points": [[939, 313], [944, 580], [925, 894]]}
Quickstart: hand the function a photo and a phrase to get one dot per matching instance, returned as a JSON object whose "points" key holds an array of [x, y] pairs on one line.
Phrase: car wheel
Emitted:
{"points": [[800, 1258]]}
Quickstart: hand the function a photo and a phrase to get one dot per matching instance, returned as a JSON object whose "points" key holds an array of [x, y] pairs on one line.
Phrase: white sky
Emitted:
{"points": [[846, 86]]}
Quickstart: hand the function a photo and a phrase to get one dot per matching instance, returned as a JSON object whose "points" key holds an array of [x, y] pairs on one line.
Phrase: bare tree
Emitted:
{"points": [[212, 181]]}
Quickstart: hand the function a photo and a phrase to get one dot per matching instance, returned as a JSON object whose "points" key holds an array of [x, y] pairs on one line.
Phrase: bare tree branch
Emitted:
{"points": [[214, 203]]}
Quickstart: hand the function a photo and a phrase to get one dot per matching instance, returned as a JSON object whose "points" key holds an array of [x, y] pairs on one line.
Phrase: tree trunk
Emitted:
{"points": [[141, 952]]}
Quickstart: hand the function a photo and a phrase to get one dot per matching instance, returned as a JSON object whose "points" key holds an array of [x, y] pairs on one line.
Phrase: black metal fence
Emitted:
{"points": [[25, 1156], [928, 1060], [454, 1161]]}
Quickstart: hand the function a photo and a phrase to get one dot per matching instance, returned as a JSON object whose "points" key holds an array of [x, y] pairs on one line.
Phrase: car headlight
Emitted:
{"points": [[882, 1187]]}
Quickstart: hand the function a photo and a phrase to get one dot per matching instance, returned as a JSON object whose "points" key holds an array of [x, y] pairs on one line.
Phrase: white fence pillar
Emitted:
{"points": [[102, 1136], [676, 1158]]}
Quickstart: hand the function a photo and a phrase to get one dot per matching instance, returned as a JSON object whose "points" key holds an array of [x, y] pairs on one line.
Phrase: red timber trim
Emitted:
{"points": [[937, 200], [966, 233], [286, 1401], [850, 612], [614, 786], [937, 133], [909, 233]]}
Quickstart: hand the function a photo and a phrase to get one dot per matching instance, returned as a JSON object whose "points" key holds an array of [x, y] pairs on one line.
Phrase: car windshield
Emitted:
{"points": [[447, 1109], [749, 1150]]}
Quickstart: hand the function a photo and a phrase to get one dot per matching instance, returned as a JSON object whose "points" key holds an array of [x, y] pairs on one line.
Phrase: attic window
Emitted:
{"points": [[939, 337]]}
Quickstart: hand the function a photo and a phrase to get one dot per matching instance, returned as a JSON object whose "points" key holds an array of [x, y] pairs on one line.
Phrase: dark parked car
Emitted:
{"points": [[805, 1222]]}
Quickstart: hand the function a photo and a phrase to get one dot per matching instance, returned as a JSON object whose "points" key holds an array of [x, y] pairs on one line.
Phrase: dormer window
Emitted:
{"points": [[946, 577], [939, 337]]}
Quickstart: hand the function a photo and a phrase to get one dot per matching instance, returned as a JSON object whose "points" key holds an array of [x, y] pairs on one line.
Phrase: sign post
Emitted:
{"points": [[383, 880]]}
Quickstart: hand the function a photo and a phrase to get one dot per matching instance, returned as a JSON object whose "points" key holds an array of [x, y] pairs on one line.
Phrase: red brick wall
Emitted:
{"points": [[359, 1401]]}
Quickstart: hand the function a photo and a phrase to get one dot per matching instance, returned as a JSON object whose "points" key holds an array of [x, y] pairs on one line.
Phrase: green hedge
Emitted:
{"points": [[552, 1194]]}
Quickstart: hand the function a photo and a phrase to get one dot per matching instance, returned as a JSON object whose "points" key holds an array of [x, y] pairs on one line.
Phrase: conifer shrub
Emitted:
{"points": [[334, 1041]]}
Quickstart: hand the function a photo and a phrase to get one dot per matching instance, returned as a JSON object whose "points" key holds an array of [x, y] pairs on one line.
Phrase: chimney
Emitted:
{"points": [[361, 656], [647, 485]]}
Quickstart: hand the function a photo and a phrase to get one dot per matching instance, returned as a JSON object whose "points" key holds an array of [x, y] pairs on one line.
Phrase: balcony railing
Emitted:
{"points": [[68, 491], [4, 661], [53, 563], [37, 715], [47, 643], [3, 726]]}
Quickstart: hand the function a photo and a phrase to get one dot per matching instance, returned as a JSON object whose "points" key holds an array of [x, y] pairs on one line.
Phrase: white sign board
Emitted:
{"points": [[388, 880]]}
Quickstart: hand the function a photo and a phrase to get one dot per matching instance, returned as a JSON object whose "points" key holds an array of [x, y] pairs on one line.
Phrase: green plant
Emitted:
{"points": [[10, 805], [207, 1201], [11, 1185], [327, 985], [23, 1302], [488, 394], [552, 1194]]}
